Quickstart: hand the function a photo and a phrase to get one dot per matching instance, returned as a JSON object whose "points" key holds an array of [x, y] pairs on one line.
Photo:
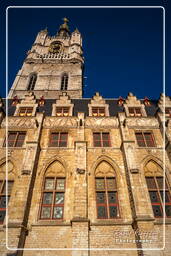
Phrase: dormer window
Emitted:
{"points": [[98, 111], [168, 112], [134, 111], [25, 111], [62, 111], [64, 82]]}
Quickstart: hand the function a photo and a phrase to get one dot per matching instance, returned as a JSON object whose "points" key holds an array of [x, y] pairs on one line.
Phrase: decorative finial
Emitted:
{"points": [[65, 20]]}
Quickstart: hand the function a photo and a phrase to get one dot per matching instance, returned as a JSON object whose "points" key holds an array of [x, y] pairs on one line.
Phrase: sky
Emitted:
{"points": [[123, 47]]}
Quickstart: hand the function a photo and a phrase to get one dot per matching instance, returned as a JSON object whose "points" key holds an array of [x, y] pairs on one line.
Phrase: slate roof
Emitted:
{"points": [[81, 105]]}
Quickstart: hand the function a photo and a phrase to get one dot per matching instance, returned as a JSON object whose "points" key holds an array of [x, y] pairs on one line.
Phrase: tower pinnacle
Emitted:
{"points": [[64, 28]]}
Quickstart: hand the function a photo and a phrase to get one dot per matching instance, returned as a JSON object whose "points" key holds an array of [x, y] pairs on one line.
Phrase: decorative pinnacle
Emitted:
{"points": [[65, 20]]}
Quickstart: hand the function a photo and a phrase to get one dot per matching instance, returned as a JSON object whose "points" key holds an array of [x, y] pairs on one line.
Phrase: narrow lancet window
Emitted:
{"points": [[64, 82], [32, 82]]}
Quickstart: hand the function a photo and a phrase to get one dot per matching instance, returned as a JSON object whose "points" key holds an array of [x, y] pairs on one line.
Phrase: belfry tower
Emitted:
{"points": [[54, 64]]}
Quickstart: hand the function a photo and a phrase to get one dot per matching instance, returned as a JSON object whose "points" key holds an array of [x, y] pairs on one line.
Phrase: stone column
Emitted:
{"points": [[80, 222], [25, 189], [141, 210]]}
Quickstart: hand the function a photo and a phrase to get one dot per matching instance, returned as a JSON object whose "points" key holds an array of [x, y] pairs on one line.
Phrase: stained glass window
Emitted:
{"points": [[106, 198], [49, 183], [3, 198], [53, 198], [157, 192]]}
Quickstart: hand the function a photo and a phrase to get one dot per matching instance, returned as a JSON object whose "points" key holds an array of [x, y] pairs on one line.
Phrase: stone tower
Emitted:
{"points": [[54, 64]]}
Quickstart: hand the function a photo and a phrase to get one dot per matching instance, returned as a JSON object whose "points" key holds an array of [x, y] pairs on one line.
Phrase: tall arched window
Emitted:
{"points": [[3, 192], [32, 82], [157, 190], [53, 192], [106, 192], [64, 82]]}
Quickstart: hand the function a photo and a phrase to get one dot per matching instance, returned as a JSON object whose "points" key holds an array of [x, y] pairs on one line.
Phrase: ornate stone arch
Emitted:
{"points": [[107, 160], [106, 185], [11, 169], [150, 163], [53, 181], [51, 162], [55, 169]]}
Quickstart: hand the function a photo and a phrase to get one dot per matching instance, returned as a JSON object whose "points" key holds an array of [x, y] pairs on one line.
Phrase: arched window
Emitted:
{"points": [[3, 192], [64, 82], [53, 192], [157, 190], [32, 82], [106, 192]]}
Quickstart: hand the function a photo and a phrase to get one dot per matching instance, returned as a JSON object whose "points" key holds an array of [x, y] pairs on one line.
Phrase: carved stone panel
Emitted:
{"points": [[19, 122], [142, 122], [52, 122], [101, 122]]}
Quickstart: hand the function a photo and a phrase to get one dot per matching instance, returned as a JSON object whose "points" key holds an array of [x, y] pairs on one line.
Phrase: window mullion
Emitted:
{"points": [[101, 139], [16, 137], [53, 203], [106, 194], [159, 195], [144, 139]]}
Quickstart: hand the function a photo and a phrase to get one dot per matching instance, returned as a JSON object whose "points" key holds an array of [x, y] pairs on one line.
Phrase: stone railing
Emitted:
{"points": [[53, 56]]}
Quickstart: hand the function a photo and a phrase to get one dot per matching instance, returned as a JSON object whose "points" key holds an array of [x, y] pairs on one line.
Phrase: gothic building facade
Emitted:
{"points": [[85, 176]]}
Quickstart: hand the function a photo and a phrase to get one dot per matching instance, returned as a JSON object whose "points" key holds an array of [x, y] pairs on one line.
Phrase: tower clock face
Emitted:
{"points": [[55, 47]]}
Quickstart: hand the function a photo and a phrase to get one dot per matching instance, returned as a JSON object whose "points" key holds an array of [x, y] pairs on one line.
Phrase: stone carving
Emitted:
{"points": [[167, 100], [22, 122], [153, 169], [134, 170], [50, 122], [97, 99], [104, 169], [101, 122], [142, 122], [80, 171], [26, 172], [132, 100]]}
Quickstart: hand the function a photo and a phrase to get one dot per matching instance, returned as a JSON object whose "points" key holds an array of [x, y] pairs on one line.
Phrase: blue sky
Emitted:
{"points": [[123, 47]]}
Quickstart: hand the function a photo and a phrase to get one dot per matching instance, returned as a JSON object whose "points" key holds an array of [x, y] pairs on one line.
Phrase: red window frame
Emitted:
{"points": [[62, 111], [59, 142], [159, 190], [25, 111], [134, 111], [53, 191], [16, 141], [2, 195], [98, 111], [106, 192], [168, 112], [145, 139], [99, 139]]}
